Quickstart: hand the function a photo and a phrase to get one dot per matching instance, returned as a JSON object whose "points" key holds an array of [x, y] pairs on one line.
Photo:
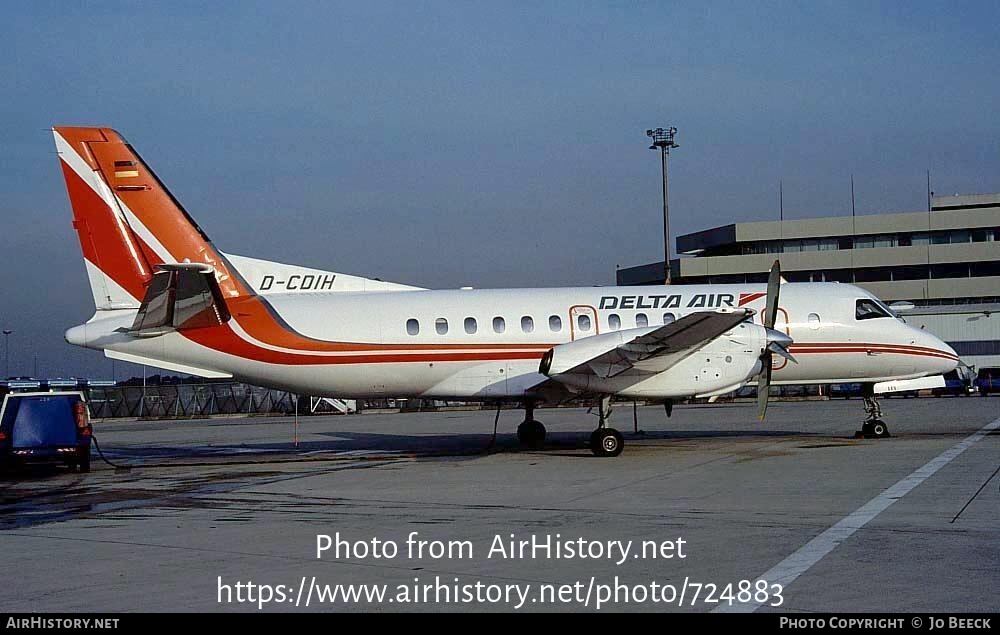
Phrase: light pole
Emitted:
{"points": [[6, 351], [663, 138]]}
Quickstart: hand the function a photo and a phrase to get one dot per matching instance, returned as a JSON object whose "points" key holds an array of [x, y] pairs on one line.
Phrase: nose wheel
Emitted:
{"points": [[605, 441], [873, 427]]}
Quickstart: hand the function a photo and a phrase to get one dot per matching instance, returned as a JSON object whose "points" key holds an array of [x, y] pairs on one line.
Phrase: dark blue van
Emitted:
{"points": [[45, 427]]}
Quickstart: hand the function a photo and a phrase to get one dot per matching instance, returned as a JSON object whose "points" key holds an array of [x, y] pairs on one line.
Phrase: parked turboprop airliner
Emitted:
{"points": [[166, 297]]}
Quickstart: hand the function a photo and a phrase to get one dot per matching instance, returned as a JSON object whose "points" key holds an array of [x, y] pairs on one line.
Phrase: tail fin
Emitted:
{"points": [[127, 221]]}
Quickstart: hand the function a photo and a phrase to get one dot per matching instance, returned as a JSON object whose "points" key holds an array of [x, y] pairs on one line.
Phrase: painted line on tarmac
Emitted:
{"points": [[786, 571]]}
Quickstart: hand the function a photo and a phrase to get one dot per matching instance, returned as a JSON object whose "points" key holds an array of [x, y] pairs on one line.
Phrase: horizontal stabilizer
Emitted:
{"points": [[180, 296]]}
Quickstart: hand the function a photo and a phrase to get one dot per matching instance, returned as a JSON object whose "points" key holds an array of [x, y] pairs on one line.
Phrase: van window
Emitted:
{"points": [[470, 325], [641, 320], [527, 324], [555, 323], [441, 326], [614, 322], [412, 326], [499, 326]]}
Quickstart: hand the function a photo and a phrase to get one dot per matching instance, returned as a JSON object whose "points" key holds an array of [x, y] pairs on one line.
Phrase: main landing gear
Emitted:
{"points": [[873, 427], [530, 433], [605, 441]]}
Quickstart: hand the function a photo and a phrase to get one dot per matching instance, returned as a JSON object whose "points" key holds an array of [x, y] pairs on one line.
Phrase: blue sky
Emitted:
{"points": [[475, 143]]}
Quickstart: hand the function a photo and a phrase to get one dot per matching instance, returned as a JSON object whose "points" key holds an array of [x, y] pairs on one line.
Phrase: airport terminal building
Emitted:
{"points": [[945, 261]]}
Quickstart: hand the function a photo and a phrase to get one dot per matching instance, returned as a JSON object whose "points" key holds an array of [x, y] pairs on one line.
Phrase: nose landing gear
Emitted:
{"points": [[873, 427]]}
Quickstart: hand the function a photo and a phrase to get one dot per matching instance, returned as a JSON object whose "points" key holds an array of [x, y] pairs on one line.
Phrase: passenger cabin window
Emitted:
{"points": [[668, 318], [614, 322], [412, 326], [869, 309], [641, 320], [441, 326], [499, 326], [555, 323], [813, 320], [470, 325], [527, 324], [583, 322]]}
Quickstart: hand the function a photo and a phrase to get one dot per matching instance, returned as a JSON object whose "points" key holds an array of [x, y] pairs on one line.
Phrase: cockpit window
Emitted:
{"points": [[869, 309]]}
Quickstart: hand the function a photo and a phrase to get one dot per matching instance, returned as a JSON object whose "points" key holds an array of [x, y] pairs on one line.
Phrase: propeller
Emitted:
{"points": [[777, 342]]}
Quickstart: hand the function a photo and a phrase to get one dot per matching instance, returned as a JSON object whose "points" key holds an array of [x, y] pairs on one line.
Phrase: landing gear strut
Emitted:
{"points": [[605, 441], [873, 427], [530, 433]]}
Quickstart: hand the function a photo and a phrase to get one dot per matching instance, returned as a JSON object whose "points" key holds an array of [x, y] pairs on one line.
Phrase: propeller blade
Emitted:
{"points": [[777, 342], [763, 385], [773, 285]]}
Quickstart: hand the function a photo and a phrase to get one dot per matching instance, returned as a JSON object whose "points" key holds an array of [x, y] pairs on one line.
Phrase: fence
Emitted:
{"points": [[187, 400], [178, 401]]}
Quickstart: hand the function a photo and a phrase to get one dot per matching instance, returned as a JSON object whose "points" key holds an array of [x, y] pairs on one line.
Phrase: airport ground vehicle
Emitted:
{"points": [[956, 385], [45, 427], [988, 381]]}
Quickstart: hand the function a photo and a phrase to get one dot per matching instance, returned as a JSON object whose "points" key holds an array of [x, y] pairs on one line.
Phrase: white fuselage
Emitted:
{"points": [[482, 344]]}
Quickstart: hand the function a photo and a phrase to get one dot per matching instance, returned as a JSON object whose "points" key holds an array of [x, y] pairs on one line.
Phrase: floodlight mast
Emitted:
{"points": [[6, 351], [663, 138]]}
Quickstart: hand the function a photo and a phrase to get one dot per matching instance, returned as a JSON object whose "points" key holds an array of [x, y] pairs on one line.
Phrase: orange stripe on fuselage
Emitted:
{"points": [[850, 347], [257, 319], [225, 340]]}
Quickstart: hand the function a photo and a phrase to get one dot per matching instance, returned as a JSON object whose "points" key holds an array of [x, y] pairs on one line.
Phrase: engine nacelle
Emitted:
{"points": [[566, 356], [721, 365]]}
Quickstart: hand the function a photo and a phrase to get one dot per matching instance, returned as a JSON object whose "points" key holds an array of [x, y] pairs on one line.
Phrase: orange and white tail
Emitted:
{"points": [[127, 221], [129, 225]]}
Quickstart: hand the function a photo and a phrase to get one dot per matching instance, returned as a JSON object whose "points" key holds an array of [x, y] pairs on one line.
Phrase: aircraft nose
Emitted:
{"points": [[944, 358]]}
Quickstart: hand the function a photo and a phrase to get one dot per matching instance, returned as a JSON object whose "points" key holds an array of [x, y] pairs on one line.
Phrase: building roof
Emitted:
{"points": [[918, 256], [947, 212]]}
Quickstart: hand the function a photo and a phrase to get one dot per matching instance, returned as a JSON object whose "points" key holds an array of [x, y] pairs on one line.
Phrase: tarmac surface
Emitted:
{"points": [[909, 523]]}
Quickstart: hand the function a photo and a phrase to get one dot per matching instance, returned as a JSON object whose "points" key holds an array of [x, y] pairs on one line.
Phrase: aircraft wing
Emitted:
{"points": [[640, 351]]}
